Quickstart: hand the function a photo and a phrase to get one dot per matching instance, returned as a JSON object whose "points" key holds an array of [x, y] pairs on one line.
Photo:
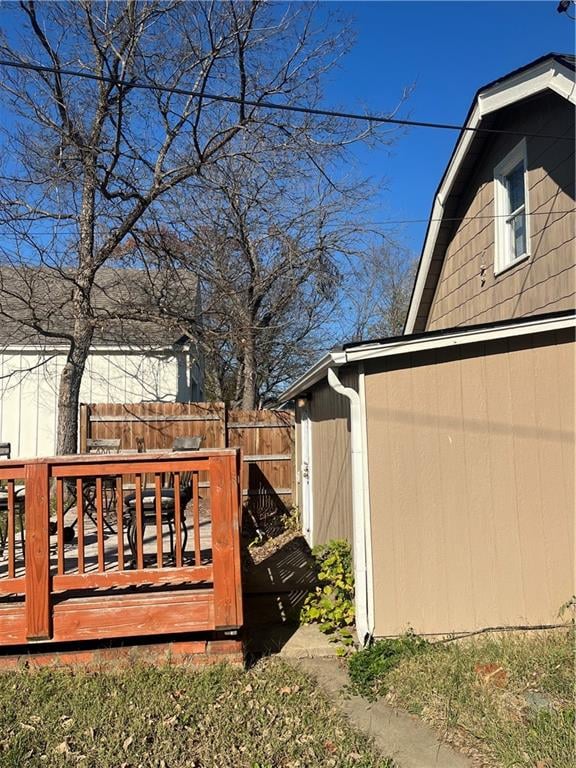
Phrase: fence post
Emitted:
{"points": [[225, 542], [224, 425], [37, 552], [84, 427], [235, 467]]}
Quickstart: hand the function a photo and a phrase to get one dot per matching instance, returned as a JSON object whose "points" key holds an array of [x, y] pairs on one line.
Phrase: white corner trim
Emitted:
{"points": [[551, 75]]}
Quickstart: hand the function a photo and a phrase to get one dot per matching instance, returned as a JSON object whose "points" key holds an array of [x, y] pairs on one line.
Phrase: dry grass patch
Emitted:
{"points": [[269, 717], [509, 700]]}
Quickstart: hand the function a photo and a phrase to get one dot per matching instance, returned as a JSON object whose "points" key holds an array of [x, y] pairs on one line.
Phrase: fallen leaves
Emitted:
{"points": [[289, 689], [492, 674], [271, 714]]}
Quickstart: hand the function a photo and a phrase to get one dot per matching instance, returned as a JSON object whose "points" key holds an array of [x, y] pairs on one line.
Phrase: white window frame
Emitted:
{"points": [[503, 257]]}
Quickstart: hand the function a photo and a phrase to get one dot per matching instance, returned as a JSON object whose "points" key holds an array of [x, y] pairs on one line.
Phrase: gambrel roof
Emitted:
{"points": [[554, 73]]}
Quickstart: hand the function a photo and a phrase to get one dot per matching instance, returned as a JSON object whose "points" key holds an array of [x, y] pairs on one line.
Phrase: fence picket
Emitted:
{"points": [[265, 437]]}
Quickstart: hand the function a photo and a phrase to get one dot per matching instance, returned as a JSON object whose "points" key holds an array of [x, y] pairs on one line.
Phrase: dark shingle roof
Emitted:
{"points": [[131, 307]]}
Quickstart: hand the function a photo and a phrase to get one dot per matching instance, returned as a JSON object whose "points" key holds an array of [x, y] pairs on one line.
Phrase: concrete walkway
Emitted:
{"points": [[406, 739]]}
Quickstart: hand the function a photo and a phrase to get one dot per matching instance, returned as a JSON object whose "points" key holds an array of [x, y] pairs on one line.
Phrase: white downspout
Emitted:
{"points": [[363, 613], [367, 515]]}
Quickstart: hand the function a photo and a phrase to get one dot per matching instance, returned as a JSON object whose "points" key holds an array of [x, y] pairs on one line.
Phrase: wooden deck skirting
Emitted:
{"points": [[100, 586]]}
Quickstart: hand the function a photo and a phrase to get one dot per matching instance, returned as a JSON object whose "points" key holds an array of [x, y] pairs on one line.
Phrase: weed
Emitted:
{"points": [[368, 668], [567, 610], [331, 605], [291, 520]]}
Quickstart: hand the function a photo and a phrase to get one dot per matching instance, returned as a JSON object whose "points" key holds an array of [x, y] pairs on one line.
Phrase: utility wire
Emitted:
{"points": [[128, 85], [34, 232], [473, 218]]}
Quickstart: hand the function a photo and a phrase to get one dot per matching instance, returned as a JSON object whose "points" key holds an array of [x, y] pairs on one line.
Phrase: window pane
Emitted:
{"points": [[519, 235], [515, 182]]}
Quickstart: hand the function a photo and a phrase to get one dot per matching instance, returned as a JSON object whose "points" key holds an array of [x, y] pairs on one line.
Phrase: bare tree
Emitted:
{"points": [[86, 162], [270, 251], [379, 286]]}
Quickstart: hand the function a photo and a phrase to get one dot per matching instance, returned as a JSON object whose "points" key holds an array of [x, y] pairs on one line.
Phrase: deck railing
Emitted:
{"points": [[109, 546]]}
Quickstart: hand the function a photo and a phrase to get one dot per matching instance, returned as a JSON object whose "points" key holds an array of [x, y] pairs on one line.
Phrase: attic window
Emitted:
{"points": [[511, 209]]}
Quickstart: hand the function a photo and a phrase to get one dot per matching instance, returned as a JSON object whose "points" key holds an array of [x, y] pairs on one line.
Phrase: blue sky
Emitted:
{"points": [[448, 50]]}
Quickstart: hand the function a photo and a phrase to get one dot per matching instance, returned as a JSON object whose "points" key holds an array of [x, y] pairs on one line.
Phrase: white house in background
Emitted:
{"points": [[138, 354]]}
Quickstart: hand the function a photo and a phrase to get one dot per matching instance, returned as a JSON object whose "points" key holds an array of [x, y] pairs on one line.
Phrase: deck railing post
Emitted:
{"points": [[226, 542], [37, 552]]}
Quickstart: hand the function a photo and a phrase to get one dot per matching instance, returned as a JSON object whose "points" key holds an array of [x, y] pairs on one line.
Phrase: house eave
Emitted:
{"points": [[313, 375], [428, 341]]}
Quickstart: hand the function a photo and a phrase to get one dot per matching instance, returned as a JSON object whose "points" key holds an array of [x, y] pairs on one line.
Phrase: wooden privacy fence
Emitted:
{"points": [[265, 437], [118, 575]]}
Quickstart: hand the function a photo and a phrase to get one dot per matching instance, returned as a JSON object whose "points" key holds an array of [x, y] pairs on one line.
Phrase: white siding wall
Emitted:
{"points": [[29, 391]]}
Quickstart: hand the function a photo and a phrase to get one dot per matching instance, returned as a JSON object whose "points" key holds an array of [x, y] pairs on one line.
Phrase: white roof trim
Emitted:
{"points": [[434, 340], [311, 377], [62, 349], [549, 74]]}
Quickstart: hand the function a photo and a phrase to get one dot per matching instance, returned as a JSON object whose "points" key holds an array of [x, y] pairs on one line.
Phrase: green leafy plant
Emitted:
{"points": [[291, 520], [369, 667], [331, 605]]}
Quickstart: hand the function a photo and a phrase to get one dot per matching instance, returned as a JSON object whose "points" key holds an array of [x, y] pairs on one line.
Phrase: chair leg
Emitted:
{"points": [[184, 536], [3, 534], [131, 536], [171, 534]]}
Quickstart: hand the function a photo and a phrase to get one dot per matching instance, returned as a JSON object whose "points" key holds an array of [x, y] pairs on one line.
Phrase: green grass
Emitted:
{"points": [[269, 717], [523, 716]]}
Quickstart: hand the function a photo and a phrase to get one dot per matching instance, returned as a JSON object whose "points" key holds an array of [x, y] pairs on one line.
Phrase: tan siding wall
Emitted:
{"points": [[472, 486], [331, 462], [547, 280]]}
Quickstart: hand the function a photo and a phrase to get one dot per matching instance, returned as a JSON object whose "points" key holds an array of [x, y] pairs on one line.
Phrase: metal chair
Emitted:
{"points": [[167, 502], [100, 446], [19, 498]]}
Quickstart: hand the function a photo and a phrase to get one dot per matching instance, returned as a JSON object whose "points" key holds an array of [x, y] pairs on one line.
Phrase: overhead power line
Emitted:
{"points": [[35, 232], [474, 218], [264, 104]]}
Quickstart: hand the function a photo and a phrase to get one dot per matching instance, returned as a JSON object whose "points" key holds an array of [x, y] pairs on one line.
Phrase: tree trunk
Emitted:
{"points": [[83, 332], [249, 369], [69, 390]]}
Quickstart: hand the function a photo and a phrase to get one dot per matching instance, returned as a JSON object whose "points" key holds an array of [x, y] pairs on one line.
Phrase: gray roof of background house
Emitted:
{"points": [[132, 307]]}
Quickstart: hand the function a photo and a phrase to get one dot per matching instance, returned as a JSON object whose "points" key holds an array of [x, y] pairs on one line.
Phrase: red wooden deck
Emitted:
{"points": [[95, 587]]}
